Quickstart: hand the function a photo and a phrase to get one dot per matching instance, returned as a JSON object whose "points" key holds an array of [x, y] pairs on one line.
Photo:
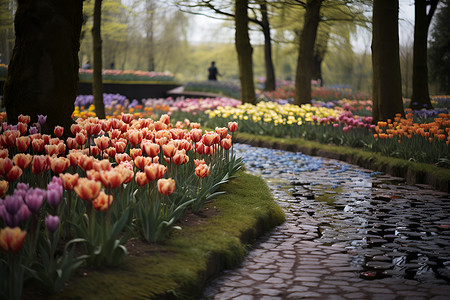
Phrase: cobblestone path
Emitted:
{"points": [[350, 233]]}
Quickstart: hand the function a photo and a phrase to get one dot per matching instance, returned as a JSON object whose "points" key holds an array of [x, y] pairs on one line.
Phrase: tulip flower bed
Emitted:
{"points": [[286, 91], [412, 138], [116, 105], [121, 177], [127, 75]]}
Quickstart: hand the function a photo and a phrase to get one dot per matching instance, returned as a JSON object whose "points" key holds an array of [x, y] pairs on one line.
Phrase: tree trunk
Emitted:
{"points": [[150, 6], [43, 72], [420, 96], [306, 53], [97, 80], [387, 84], [270, 84], [319, 55], [244, 52]]}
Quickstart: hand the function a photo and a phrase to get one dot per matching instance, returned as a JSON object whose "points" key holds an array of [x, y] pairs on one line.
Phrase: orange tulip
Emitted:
{"points": [[122, 157], [24, 119], [38, 145], [165, 119], [111, 179], [93, 175], [22, 143], [74, 157], [4, 185], [11, 239], [59, 164], [166, 186], [210, 138], [196, 135], [102, 142], [127, 118], [86, 162], [81, 138], [155, 171], [102, 202], [222, 132], [95, 151], [160, 126], [72, 143], [140, 162], [135, 152], [141, 178], [87, 189], [135, 137], [150, 148], [10, 137], [6, 165], [23, 161], [69, 180], [126, 170], [169, 150], [120, 147], [232, 126], [58, 131], [102, 165], [180, 157], [202, 170], [22, 127], [111, 151], [51, 150], [46, 138]]}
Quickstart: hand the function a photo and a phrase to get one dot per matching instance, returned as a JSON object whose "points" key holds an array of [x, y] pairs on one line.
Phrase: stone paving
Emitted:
{"points": [[350, 233]]}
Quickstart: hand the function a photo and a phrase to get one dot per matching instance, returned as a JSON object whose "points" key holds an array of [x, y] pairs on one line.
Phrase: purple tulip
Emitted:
{"points": [[24, 213], [22, 186], [13, 203], [34, 200], [42, 119], [52, 223], [33, 130], [54, 197]]}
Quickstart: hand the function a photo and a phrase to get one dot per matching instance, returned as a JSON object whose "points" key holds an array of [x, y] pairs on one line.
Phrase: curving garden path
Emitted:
{"points": [[350, 233]]}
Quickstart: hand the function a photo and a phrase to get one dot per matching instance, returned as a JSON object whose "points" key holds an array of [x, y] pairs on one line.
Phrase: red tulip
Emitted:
{"points": [[135, 152], [41, 163], [102, 142], [232, 126], [111, 179], [13, 174], [4, 153], [38, 145], [226, 144], [6, 165], [58, 131], [140, 162]]}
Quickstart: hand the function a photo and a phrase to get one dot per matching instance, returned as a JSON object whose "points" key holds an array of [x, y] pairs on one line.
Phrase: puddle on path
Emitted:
{"points": [[389, 228]]}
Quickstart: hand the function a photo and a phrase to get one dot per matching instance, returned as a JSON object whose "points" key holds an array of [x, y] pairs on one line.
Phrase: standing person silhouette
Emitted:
{"points": [[213, 71]]}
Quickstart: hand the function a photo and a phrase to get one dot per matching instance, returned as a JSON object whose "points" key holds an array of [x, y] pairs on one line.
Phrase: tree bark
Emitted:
{"points": [[97, 80], [270, 84], [43, 72], [387, 85], [420, 95], [244, 51], [151, 6], [306, 53]]}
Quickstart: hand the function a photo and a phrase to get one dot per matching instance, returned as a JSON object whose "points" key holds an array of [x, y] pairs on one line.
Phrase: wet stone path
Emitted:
{"points": [[350, 233]]}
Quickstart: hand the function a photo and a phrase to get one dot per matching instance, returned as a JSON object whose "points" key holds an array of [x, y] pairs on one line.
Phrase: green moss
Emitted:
{"points": [[179, 268]]}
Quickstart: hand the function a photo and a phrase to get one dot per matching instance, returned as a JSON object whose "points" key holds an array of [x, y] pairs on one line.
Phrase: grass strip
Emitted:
{"points": [[413, 172], [179, 268]]}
